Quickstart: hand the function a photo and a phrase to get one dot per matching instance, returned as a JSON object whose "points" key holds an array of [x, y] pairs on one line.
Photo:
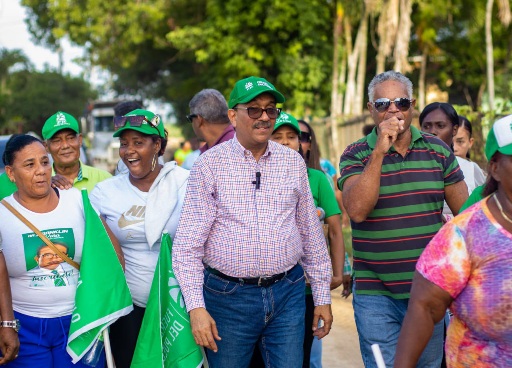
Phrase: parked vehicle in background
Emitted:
{"points": [[98, 129], [3, 142]]}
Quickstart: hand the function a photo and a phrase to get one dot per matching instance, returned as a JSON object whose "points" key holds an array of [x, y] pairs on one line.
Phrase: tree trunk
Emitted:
{"points": [[386, 29], [360, 45], [403, 36], [421, 82], [361, 68], [336, 96], [490, 57]]}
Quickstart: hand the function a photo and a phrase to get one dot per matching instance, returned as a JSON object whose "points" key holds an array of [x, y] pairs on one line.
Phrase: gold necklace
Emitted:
{"points": [[505, 216]]}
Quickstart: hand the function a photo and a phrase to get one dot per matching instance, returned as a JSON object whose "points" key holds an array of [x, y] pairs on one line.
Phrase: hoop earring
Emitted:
{"points": [[153, 163]]}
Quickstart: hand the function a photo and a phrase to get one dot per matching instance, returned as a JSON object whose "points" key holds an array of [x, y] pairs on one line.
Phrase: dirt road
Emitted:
{"points": [[341, 346]]}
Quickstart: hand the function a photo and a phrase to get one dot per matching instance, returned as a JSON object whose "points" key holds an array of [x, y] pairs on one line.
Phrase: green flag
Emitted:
{"points": [[174, 346], [102, 295]]}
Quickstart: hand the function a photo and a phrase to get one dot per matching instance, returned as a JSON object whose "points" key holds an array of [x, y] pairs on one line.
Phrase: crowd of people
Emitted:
{"points": [[255, 215]]}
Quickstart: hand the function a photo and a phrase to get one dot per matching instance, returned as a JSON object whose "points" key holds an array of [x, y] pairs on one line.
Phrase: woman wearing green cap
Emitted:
{"points": [[287, 132], [139, 205], [467, 267]]}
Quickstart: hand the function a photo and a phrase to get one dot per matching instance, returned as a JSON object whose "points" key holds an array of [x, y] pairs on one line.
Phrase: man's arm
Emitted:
{"points": [[361, 192], [195, 224], [455, 195]]}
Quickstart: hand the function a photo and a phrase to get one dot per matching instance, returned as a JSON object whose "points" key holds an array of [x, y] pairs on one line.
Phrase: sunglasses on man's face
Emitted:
{"points": [[305, 137], [256, 112], [191, 117], [135, 121], [383, 104]]}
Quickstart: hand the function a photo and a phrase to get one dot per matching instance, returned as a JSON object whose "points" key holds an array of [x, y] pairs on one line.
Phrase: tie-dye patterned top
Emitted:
{"points": [[471, 259]]}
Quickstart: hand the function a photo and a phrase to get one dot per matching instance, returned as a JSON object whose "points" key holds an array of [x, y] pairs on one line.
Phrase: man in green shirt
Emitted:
{"points": [[63, 140]]}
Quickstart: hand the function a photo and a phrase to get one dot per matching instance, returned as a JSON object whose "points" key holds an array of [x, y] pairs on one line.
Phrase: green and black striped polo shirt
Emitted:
{"points": [[408, 212]]}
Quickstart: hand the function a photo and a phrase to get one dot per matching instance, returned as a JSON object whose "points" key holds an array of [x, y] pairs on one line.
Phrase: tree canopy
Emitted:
{"points": [[171, 49], [30, 97]]}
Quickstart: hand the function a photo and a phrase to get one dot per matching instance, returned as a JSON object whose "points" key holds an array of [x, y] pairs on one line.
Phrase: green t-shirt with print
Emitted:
{"points": [[323, 195]]}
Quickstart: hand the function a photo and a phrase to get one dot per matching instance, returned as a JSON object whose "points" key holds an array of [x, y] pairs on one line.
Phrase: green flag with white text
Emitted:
{"points": [[165, 338], [102, 295]]}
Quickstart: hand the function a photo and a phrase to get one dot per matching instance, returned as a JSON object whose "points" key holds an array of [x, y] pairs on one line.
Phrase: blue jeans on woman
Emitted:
{"points": [[246, 315], [43, 343], [379, 319]]}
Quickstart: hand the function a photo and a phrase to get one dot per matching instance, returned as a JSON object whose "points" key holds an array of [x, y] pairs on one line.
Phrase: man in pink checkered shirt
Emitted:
{"points": [[247, 233]]}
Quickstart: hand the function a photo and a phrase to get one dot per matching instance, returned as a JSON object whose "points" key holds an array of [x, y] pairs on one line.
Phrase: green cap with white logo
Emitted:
{"points": [[287, 119], [58, 121], [248, 89], [499, 138]]}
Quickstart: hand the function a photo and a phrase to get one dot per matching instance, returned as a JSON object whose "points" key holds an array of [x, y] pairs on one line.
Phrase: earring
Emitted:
{"points": [[153, 164]]}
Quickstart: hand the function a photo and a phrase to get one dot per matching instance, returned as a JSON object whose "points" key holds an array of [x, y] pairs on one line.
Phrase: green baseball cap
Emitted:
{"points": [[58, 121], [286, 119], [142, 126], [499, 138], [247, 89]]}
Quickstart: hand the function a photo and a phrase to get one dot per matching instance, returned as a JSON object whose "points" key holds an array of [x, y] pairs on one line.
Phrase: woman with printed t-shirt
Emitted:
{"points": [[287, 132], [42, 281], [139, 205]]}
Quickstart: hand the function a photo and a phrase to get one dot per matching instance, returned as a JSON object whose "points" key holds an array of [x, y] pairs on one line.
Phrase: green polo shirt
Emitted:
{"points": [[6, 186], [407, 214], [88, 177]]}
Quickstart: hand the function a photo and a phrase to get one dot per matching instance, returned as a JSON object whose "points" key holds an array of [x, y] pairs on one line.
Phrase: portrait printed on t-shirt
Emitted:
{"points": [[45, 267]]}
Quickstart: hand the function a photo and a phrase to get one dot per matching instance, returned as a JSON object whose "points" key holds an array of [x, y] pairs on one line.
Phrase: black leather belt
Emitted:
{"points": [[262, 281]]}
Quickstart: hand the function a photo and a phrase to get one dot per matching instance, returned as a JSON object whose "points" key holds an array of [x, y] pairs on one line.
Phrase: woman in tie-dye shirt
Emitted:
{"points": [[468, 267]]}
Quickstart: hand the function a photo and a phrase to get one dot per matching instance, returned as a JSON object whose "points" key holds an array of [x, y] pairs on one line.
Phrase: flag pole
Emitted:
{"points": [[378, 356], [205, 361], [108, 350]]}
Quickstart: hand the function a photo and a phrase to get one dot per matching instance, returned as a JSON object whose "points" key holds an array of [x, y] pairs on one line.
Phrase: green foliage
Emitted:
{"points": [[33, 96], [171, 49]]}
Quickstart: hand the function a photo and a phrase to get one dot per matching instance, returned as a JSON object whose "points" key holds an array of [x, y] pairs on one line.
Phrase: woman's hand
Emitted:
{"points": [[347, 286]]}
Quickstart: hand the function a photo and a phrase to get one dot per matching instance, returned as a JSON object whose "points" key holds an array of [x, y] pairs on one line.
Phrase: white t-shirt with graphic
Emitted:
{"points": [[42, 284], [124, 208], [473, 177]]}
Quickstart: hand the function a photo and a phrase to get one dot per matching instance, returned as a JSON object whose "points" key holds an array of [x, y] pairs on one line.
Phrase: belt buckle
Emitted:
{"points": [[264, 281]]}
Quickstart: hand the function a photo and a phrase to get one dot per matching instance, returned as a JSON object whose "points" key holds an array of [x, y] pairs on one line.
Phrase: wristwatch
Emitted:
{"points": [[13, 324]]}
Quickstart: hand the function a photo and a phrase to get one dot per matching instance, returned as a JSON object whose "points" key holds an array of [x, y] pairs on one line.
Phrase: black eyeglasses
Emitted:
{"points": [[305, 137], [256, 112], [382, 104], [135, 121], [191, 117]]}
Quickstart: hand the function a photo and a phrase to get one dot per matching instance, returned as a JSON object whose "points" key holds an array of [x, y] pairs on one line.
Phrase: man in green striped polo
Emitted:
{"points": [[394, 182]]}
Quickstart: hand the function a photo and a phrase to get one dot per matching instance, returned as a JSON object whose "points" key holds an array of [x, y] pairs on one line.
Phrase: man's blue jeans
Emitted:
{"points": [[246, 315], [379, 319]]}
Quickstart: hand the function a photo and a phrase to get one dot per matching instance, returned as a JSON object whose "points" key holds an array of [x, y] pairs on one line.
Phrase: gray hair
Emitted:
{"points": [[390, 75], [211, 105]]}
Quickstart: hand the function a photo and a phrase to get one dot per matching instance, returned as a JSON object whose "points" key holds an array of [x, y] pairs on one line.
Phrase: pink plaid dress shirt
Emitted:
{"points": [[228, 224]]}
